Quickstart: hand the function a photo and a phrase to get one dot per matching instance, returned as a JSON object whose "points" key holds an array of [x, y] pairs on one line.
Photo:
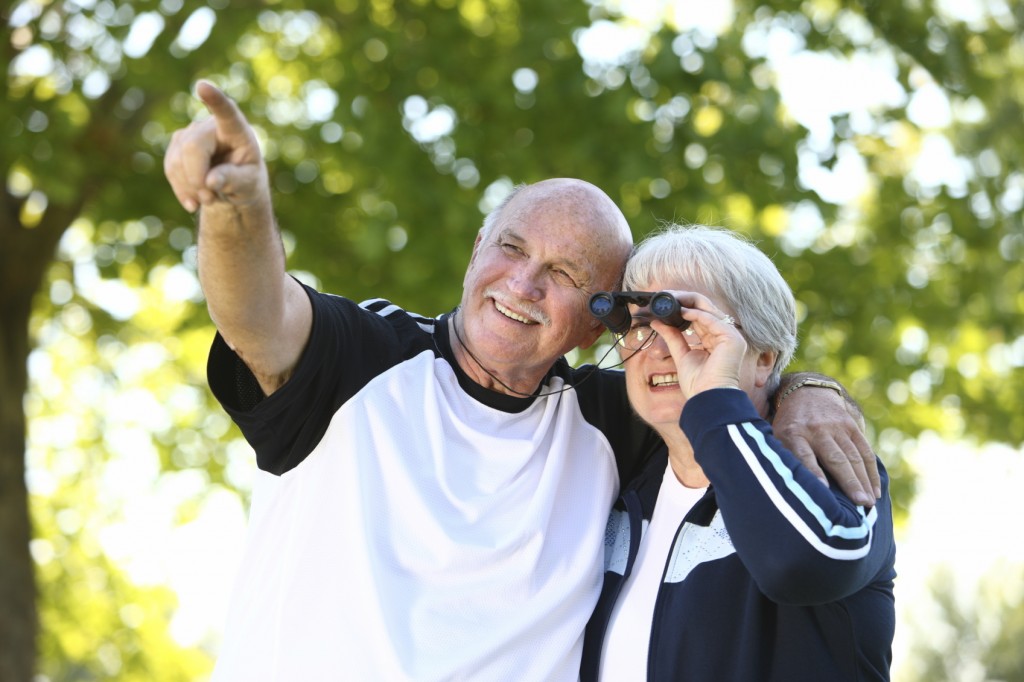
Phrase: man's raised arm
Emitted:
{"points": [[215, 166]]}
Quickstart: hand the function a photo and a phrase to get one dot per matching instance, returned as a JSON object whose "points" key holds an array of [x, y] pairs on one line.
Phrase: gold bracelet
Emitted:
{"points": [[814, 383]]}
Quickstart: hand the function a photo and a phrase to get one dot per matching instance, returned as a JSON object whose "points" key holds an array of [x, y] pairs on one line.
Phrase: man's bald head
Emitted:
{"points": [[558, 200]]}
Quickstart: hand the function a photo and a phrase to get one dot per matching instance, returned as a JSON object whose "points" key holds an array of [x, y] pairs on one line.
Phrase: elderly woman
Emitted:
{"points": [[726, 559]]}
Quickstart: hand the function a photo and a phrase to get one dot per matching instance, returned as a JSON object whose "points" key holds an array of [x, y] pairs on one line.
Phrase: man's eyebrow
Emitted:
{"points": [[509, 233], [578, 270], [580, 275]]}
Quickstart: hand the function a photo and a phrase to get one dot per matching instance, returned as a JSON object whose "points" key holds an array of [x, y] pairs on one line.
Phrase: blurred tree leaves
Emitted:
{"points": [[391, 127], [971, 639]]}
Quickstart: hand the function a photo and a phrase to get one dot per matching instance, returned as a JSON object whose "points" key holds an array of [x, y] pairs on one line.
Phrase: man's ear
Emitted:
{"points": [[765, 364], [476, 246]]}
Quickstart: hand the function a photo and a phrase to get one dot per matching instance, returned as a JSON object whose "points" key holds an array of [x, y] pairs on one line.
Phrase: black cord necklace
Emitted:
{"points": [[594, 368]]}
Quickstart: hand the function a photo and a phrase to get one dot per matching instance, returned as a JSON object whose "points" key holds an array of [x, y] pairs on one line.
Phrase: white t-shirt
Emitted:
{"points": [[404, 530], [624, 658]]}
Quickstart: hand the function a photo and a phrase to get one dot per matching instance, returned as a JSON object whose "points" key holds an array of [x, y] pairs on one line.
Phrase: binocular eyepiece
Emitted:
{"points": [[610, 308]]}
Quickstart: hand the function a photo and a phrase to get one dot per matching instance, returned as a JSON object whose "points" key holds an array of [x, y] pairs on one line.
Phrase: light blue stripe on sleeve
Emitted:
{"points": [[832, 530], [790, 514]]}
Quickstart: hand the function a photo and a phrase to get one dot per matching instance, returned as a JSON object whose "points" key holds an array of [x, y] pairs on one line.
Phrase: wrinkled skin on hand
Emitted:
{"points": [[818, 420]]}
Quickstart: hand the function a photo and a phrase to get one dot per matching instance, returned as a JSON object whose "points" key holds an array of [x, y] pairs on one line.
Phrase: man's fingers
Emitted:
{"points": [[843, 460], [860, 441], [195, 150], [185, 195], [229, 119], [236, 184], [846, 469], [843, 470], [188, 161], [217, 158], [801, 449], [870, 462], [857, 484]]}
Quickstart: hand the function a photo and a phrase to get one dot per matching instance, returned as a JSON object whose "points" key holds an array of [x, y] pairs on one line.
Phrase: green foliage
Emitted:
{"points": [[980, 641], [910, 292], [96, 623], [108, 414]]}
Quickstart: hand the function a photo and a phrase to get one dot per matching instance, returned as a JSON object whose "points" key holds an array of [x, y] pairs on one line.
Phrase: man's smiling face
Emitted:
{"points": [[525, 293]]}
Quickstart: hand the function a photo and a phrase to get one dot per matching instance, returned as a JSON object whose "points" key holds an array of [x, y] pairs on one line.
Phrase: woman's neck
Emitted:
{"points": [[682, 461], [680, 452]]}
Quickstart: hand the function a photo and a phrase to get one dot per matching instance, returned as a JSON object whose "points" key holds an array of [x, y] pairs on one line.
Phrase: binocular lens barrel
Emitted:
{"points": [[613, 314], [665, 307], [601, 304], [610, 308]]}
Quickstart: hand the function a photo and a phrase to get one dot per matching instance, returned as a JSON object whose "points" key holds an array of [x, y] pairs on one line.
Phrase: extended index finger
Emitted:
{"points": [[225, 112]]}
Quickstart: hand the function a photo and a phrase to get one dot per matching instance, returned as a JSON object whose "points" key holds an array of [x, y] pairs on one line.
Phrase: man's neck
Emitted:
{"points": [[493, 380]]}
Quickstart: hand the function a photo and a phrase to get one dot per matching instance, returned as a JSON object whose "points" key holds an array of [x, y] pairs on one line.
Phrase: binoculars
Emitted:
{"points": [[610, 308]]}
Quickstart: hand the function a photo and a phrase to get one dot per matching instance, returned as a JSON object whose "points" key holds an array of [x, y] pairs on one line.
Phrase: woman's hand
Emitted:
{"points": [[710, 352]]}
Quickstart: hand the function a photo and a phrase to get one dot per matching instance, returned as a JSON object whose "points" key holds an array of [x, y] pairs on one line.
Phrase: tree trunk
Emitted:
{"points": [[25, 255], [18, 618]]}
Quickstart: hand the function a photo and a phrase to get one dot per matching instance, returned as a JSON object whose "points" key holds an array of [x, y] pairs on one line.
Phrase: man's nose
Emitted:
{"points": [[525, 282]]}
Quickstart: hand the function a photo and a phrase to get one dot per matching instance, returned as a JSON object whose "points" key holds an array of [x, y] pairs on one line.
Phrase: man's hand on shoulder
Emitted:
{"points": [[817, 420]]}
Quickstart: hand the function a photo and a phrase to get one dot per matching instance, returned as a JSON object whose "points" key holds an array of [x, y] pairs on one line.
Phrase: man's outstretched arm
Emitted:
{"points": [[215, 166]]}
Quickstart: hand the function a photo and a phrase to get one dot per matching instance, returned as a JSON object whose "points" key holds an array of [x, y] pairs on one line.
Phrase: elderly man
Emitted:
{"points": [[434, 491]]}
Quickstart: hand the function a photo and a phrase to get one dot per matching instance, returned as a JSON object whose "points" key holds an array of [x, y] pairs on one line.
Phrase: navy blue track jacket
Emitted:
{"points": [[772, 576]]}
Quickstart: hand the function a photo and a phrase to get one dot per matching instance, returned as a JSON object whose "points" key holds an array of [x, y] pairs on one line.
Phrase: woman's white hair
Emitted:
{"points": [[734, 271]]}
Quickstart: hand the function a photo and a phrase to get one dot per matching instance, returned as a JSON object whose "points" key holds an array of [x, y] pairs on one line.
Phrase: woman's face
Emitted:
{"points": [[651, 373]]}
